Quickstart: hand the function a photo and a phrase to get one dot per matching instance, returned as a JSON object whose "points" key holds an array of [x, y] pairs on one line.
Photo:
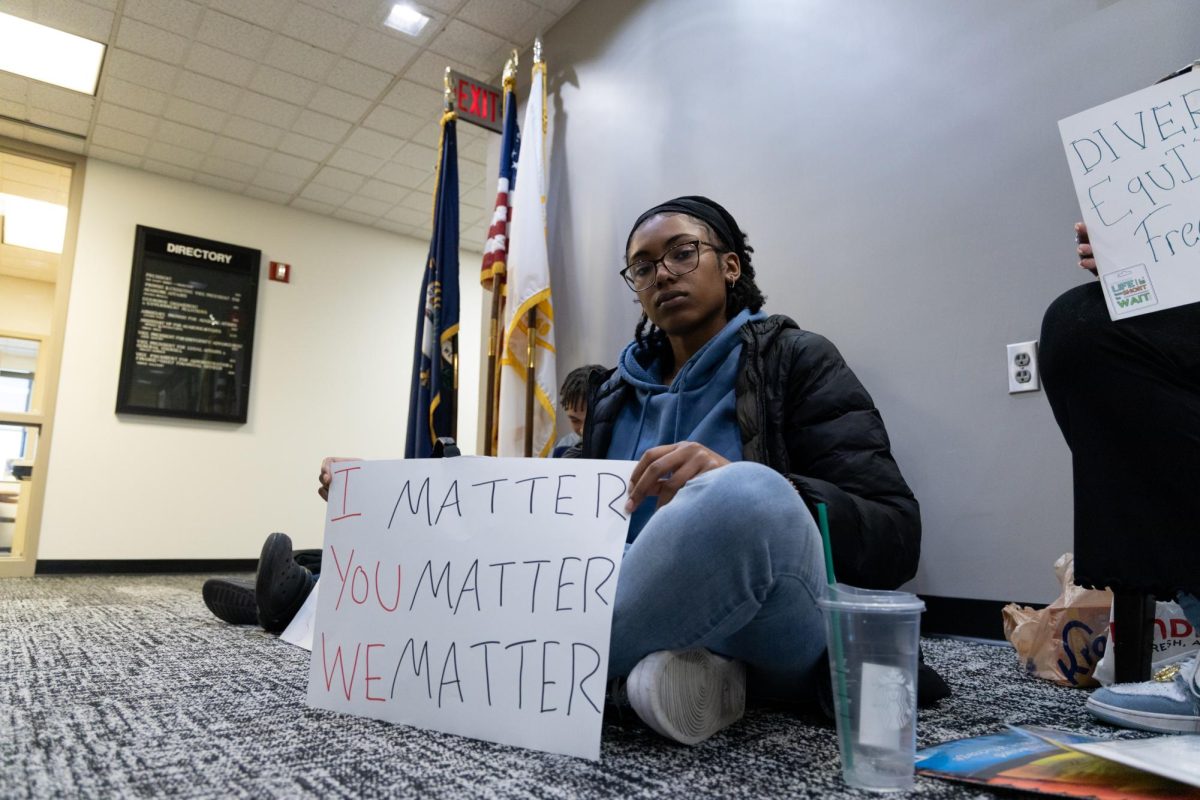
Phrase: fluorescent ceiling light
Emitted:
{"points": [[35, 224], [406, 19], [49, 55]]}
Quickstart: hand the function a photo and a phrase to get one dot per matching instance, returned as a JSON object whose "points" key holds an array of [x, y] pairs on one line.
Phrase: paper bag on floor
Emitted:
{"points": [[1064, 641], [1175, 639]]}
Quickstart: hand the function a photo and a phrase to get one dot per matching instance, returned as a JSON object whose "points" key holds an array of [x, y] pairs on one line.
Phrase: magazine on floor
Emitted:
{"points": [[1054, 762]]}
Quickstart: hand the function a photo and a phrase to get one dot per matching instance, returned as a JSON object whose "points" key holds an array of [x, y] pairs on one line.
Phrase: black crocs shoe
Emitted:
{"points": [[231, 600], [282, 585]]}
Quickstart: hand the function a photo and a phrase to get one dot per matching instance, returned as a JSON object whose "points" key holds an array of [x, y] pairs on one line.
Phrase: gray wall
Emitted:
{"points": [[898, 168]]}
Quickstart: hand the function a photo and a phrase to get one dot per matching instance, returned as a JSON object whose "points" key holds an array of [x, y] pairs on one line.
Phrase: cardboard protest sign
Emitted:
{"points": [[1134, 162], [472, 596]]}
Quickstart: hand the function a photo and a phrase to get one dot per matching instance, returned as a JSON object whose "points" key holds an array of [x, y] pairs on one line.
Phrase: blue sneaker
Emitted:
{"points": [[1167, 703]]}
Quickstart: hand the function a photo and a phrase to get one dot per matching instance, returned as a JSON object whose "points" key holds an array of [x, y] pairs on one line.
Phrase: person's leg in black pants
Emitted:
{"points": [[1126, 395]]}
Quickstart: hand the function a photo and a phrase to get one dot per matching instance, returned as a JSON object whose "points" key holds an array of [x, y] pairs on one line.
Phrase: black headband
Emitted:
{"points": [[711, 213]]}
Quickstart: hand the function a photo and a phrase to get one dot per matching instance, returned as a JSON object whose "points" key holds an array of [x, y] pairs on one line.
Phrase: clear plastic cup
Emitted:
{"points": [[873, 638]]}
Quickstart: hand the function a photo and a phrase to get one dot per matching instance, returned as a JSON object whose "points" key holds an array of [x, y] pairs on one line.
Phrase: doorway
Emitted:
{"points": [[40, 193]]}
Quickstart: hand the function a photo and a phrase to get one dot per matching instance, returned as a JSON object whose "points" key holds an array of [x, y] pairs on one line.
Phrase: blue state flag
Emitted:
{"points": [[433, 401]]}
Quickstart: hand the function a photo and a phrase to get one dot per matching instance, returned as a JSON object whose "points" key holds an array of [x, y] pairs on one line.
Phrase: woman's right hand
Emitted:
{"points": [[327, 474], [1087, 259]]}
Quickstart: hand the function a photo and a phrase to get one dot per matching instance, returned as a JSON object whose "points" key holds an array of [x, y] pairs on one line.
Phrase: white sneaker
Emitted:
{"points": [[687, 695]]}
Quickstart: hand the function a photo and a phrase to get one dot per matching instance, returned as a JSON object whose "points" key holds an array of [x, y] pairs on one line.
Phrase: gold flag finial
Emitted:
{"points": [[448, 94], [510, 72], [537, 50]]}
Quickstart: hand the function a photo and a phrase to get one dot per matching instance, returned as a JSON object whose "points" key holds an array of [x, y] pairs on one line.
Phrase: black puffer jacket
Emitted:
{"points": [[803, 413]]}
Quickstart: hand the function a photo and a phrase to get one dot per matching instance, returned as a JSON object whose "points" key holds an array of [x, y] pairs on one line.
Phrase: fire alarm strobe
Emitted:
{"points": [[281, 272]]}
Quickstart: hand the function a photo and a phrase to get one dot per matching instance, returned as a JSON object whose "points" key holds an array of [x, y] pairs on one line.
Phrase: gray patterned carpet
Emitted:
{"points": [[125, 686]]}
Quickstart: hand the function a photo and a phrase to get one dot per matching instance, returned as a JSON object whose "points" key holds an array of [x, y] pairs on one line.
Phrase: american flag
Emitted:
{"points": [[495, 251]]}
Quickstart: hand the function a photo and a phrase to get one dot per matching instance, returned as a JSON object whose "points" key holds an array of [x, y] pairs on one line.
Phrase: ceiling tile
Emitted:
{"points": [[223, 31], [194, 114], [393, 121], [60, 141], [338, 178], [249, 130], [337, 103], [312, 205], [278, 182], [150, 41], [394, 227], [429, 69], [402, 175], [119, 140], [470, 173], [180, 157], [267, 13], [20, 8], [418, 201], [415, 99], [130, 95], [382, 190], [559, 7], [319, 28], [140, 70], [419, 156], [377, 144], [441, 5], [177, 16], [305, 146], [115, 156], [218, 182], [173, 133], [358, 79], [169, 169], [366, 205], [299, 58], [360, 163], [353, 10], [429, 135], [354, 216], [207, 91], [63, 101], [479, 198], [58, 122], [126, 120], [320, 126], [279, 198], [233, 170], [502, 17], [267, 109], [13, 109], [325, 194], [475, 151], [219, 64], [74, 17], [111, 5], [282, 85], [239, 151], [381, 50], [468, 44], [540, 23], [290, 165]]}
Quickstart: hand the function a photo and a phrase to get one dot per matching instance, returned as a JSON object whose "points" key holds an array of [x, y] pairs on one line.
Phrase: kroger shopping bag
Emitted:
{"points": [[1175, 639], [1064, 641]]}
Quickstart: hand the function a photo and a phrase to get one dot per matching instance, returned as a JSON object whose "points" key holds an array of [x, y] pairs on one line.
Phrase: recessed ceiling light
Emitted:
{"points": [[49, 55], [406, 19]]}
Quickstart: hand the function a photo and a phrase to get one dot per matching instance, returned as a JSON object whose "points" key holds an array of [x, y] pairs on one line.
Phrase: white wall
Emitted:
{"points": [[898, 168], [330, 376]]}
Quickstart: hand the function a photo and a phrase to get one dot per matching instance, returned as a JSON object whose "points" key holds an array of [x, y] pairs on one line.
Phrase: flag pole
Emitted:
{"points": [[495, 322], [448, 101], [531, 324]]}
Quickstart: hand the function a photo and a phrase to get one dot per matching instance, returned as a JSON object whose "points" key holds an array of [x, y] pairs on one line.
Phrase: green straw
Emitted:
{"points": [[843, 730]]}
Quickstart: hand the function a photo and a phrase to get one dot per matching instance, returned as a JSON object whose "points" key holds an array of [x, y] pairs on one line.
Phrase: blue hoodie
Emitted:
{"points": [[698, 406]]}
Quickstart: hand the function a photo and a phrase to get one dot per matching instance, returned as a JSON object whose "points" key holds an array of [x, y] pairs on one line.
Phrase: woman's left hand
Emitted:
{"points": [[663, 471]]}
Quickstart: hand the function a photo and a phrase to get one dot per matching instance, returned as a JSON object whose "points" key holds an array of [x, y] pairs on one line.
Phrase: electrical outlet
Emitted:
{"points": [[1023, 368]]}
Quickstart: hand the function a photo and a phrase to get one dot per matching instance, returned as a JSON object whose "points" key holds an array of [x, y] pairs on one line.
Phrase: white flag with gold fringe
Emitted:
{"points": [[528, 288]]}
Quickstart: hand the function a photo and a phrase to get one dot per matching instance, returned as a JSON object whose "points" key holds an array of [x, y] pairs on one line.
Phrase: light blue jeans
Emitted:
{"points": [[733, 563]]}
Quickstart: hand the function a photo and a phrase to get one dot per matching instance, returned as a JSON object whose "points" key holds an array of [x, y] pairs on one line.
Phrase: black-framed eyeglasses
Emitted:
{"points": [[679, 260]]}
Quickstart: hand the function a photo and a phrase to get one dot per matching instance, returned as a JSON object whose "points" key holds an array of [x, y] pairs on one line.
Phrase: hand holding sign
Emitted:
{"points": [[472, 596], [1134, 162]]}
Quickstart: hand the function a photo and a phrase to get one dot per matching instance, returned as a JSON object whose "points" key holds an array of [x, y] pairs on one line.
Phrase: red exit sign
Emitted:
{"points": [[478, 102]]}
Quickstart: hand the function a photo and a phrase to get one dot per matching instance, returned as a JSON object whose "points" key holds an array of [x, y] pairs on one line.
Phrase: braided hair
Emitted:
{"points": [[724, 231]]}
